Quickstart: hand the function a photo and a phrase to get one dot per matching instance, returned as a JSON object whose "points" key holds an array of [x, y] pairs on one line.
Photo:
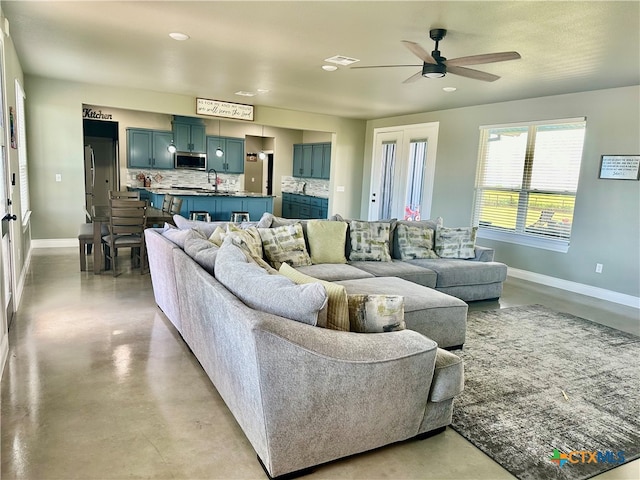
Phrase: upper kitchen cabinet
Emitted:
{"points": [[312, 160], [189, 134], [148, 148], [232, 160]]}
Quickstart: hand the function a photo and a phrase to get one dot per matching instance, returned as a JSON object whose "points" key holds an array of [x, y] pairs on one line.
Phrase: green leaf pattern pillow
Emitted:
{"points": [[370, 241], [415, 242], [285, 244], [456, 242]]}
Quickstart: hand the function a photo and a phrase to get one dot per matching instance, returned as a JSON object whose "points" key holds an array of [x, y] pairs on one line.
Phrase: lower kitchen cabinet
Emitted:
{"points": [[220, 208], [304, 206]]}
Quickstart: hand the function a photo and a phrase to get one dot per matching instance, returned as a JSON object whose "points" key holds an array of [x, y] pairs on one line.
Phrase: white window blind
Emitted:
{"points": [[22, 153], [527, 180]]}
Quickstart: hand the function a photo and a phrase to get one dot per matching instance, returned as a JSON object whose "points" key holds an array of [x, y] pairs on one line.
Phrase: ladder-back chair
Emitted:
{"points": [[127, 219]]}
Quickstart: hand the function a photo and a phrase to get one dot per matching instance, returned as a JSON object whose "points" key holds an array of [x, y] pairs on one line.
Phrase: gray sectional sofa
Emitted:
{"points": [[303, 395]]}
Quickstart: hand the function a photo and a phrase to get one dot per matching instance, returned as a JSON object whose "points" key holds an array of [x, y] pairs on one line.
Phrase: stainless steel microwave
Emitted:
{"points": [[194, 161]]}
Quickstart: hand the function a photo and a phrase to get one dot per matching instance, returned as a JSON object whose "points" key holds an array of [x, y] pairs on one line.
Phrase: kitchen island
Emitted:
{"points": [[219, 204]]}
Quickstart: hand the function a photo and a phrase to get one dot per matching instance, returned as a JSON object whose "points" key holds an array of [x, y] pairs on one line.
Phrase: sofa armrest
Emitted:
{"points": [[349, 392], [484, 254]]}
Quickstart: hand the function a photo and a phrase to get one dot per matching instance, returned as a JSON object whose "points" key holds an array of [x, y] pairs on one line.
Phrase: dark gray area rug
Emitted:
{"points": [[542, 385]]}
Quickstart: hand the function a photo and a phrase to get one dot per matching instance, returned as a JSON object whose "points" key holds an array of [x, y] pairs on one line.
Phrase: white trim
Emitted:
{"points": [[555, 245], [4, 351], [581, 288], [54, 242], [21, 281]]}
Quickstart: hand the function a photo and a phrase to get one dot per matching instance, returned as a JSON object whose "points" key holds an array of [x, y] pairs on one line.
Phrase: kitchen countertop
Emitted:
{"points": [[202, 192]]}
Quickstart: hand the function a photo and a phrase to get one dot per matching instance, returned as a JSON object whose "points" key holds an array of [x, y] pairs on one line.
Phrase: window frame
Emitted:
{"points": [[519, 236]]}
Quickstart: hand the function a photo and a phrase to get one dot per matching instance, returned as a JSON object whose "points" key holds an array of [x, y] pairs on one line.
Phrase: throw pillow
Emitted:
{"points": [[274, 294], [415, 242], [248, 238], [217, 236], [337, 308], [327, 241], [369, 241], [284, 244], [376, 313], [456, 242]]}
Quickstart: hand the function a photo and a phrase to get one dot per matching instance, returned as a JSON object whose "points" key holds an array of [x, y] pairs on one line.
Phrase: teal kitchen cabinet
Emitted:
{"points": [[189, 134], [312, 160], [148, 148], [304, 206], [232, 160]]}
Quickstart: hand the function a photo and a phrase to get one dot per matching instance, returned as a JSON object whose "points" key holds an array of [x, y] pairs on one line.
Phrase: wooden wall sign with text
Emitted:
{"points": [[216, 108]]}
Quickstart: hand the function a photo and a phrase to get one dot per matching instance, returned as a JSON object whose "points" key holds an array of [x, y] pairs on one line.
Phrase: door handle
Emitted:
{"points": [[8, 217]]}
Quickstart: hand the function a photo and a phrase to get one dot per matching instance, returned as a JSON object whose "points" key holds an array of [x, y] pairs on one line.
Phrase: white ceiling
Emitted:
{"points": [[280, 46]]}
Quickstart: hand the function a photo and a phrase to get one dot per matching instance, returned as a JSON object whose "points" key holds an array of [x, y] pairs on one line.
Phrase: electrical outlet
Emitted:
{"points": [[598, 268], [58, 177]]}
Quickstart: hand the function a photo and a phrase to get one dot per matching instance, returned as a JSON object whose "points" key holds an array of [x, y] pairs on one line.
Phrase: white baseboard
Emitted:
{"points": [[54, 242], [581, 288], [4, 351], [22, 280]]}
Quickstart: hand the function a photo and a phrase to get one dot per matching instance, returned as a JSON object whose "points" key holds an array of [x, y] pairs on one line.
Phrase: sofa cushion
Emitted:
{"points": [[370, 241], [274, 294], [453, 272], [179, 237], [376, 313], [326, 241], [415, 242], [400, 269], [284, 244], [457, 242], [205, 228], [202, 251], [332, 272], [337, 308]]}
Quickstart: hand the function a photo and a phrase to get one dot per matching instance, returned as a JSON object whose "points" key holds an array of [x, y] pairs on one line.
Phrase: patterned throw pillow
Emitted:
{"points": [[249, 239], [370, 241], [327, 241], [376, 313], [415, 242], [337, 308], [284, 245], [456, 242]]}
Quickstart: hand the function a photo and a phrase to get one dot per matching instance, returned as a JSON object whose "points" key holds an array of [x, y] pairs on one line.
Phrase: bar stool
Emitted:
{"points": [[237, 217], [199, 215]]}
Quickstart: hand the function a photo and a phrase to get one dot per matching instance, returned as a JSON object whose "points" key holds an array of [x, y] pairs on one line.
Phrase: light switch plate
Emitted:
{"points": [[58, 177]]}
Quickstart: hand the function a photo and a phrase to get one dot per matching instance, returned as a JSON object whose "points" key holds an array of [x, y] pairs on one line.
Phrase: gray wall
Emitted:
{"points": [[606, 225]]}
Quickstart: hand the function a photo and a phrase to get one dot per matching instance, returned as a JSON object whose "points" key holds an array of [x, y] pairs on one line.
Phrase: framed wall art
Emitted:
{"points": [[620, 167]]}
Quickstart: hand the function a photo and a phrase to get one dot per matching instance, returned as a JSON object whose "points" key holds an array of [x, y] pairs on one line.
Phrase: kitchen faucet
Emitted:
{"points": [[215, 186]]}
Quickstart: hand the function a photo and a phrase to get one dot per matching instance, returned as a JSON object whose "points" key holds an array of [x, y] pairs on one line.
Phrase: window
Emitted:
{"points": [[415, 180], [527, 182], [22, 154]]}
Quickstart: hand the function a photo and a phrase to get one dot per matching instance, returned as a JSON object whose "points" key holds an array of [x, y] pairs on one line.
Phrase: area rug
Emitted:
{"points": [[549, 395]]}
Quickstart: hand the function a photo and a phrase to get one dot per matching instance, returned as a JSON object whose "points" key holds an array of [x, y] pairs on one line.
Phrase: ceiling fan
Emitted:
{"points": [[437, 66]]}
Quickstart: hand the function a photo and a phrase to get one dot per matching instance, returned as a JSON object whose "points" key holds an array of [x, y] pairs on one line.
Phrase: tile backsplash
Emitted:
{"points": [[185, 178], [306, 186]]}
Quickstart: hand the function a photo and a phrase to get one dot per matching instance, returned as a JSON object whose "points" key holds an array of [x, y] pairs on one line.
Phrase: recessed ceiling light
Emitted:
{"points": [[179, 36], [329, 68], [245, 94], [449, 89]]}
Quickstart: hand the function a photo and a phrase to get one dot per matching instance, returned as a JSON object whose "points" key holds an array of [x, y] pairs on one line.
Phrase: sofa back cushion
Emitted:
{"points": [[259, 290], [203, 251]]}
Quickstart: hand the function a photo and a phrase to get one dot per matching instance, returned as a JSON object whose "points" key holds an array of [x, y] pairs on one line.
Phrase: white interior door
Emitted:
{"points": [[402, 174]]}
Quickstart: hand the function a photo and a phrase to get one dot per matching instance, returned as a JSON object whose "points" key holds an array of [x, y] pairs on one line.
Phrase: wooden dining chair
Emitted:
{"points": [[127, 219], [176, 206], [124, 194], [166, 203]]}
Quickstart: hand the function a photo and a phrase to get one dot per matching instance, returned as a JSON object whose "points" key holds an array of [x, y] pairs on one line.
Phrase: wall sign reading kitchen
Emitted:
{"points": [[95, 115], [216, 108]]}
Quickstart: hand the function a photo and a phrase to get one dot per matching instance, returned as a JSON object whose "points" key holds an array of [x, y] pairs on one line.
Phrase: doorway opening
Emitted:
{"points": [[101, 162]]}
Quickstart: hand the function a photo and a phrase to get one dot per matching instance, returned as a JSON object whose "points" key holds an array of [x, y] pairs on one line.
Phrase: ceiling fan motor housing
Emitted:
{"points": [[434, 70]]}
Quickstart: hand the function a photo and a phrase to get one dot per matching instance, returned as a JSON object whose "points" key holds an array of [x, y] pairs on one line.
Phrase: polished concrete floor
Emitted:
{"points": [[98, 385]]}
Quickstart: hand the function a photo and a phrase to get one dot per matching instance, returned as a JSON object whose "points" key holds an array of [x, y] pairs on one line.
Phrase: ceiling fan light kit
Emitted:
{"points": [[436, 66]]}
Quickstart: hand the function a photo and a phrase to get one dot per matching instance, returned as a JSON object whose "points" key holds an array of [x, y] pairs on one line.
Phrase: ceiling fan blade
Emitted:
{"points": [[414, 77], [485, 58], [471, 73], [384, 66], [419, 52]]}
